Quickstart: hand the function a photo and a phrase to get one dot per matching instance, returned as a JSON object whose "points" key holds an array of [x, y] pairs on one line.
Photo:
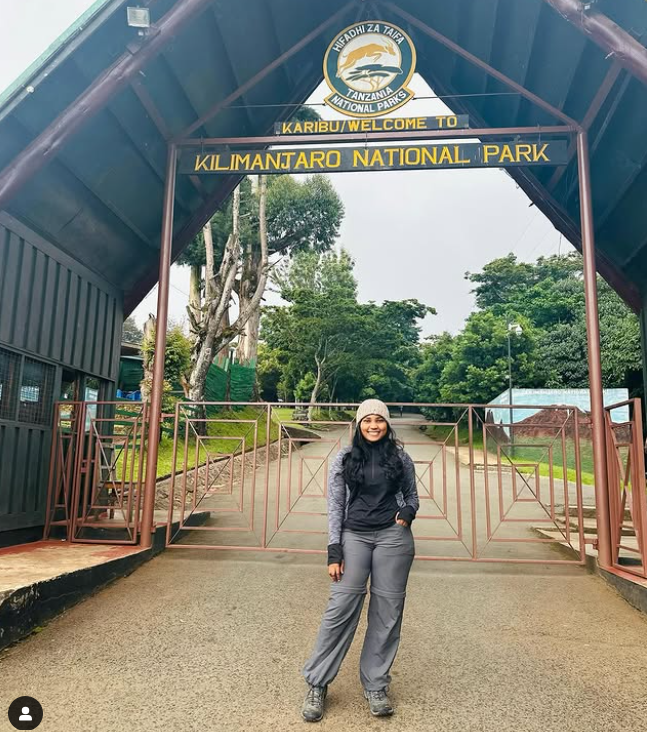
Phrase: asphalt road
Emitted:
{"points": [[208, 640]]}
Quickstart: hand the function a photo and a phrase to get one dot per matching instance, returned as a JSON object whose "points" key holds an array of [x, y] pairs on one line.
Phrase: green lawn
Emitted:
{"points": [[526, 449], [282, 414], [231, 426]]}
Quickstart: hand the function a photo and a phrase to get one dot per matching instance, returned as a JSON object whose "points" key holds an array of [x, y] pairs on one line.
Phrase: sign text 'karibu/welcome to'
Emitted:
{"points": [[390, 124]]}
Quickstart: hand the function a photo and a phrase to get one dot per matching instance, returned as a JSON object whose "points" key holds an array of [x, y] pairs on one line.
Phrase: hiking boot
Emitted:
{"points": [[378, 703], [313, 705]]}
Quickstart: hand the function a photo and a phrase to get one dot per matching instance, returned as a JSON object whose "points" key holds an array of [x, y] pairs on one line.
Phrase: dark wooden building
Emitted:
{"points": [[60, 326]]}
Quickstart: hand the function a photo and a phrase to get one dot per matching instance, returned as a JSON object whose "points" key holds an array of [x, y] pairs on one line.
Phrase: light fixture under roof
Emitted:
{"points": [[138, 17]]}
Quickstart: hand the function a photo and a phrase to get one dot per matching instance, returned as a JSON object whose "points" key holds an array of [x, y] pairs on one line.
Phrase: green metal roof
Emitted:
{"points": [[101, 198], [95, 13]]}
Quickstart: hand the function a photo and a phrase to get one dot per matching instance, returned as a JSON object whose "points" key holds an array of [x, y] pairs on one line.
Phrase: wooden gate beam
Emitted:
{"points": [[611, 38], [498, 75], [48, 144], [278, 61]]}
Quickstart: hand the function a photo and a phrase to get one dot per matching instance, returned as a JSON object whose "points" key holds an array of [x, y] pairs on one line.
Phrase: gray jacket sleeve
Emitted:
{"points": [[408, 495], [337, 497]]}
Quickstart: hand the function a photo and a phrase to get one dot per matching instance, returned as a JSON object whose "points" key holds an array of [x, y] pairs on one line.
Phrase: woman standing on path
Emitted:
{"points": [[372, 500]]}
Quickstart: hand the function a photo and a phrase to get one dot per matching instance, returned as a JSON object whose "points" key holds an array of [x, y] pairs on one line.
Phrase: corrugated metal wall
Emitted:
{"points": [[54, 313]]}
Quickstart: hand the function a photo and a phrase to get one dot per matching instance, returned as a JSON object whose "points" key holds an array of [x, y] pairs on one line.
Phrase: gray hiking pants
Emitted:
{"points": [[386, 556]]}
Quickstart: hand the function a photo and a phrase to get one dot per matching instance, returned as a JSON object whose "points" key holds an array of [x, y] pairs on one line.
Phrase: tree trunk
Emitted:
{"points": [[247, 351], [149, 361], [219, 287], [317, 386], [218, 290], [195, 291], [253, 266]]}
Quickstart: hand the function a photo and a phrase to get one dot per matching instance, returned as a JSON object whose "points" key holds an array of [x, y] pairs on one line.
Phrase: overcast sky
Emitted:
{"points": [[412, 234]]}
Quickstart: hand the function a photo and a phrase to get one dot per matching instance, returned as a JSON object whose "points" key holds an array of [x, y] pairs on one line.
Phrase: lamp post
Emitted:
{"points": [[517, 330]]}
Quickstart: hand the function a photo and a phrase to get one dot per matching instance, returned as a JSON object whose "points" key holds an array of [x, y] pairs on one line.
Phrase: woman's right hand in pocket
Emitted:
{"points": [[335, 571]]}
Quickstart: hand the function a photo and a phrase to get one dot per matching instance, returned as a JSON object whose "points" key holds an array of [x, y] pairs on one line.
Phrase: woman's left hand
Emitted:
{"points": [[400, 521]]}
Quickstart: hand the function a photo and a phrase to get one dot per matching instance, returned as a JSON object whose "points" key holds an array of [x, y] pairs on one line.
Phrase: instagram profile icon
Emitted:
{"points": [[25, 712]]}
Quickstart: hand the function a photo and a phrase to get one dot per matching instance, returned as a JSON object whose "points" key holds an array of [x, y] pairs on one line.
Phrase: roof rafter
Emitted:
{"points": [[592, 112], [88, 103], [267, 70], [232, 71], [62, 164], [611, 38], [516, 102], [603, 128], [432, 33], [148, 103], [163, 59], [275, 38], [146, 158]]}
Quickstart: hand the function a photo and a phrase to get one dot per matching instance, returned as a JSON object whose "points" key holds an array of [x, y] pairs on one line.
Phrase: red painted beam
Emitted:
{"points": [[495, 73], [611, 38], [48, 144], [279, 61]]}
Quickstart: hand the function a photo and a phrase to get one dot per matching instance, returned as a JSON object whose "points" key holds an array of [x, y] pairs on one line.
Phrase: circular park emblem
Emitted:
{"points": [[368, 66]]}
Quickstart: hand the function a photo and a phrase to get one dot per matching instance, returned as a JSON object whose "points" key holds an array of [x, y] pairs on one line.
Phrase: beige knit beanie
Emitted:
{"points": [[372, 406]]}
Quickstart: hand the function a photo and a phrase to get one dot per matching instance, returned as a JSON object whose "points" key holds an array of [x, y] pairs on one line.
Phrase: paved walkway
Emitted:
{"points": [[213, 641]]}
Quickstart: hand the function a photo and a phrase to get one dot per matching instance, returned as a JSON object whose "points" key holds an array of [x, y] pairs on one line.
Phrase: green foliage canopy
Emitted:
{"points": [[547, 298], [369, 349], [301, 214]]}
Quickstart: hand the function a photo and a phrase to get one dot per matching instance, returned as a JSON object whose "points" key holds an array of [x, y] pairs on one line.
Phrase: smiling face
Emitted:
{"points": [[373, 427]]}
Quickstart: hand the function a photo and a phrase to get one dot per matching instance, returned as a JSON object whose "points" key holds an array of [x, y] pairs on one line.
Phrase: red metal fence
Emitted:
{"points": [[96, 472], [253, 476], [486, 494], [627, 500]]}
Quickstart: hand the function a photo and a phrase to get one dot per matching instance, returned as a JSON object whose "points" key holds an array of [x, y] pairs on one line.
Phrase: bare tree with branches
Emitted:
{"points": [[210, 324]]}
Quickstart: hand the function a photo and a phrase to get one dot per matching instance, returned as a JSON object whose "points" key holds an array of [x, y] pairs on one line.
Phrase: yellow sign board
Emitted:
{"points": [[381, 157]]}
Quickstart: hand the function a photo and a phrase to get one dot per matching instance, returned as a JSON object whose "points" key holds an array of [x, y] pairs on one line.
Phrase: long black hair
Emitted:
{"points": [[390, 459]]}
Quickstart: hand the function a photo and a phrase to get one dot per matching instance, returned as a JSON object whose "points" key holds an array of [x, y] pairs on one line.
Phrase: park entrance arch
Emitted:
{"points": [[520, 146]]}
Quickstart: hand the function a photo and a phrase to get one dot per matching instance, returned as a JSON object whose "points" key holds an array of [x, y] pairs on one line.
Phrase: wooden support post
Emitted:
{"points": [[47, 145]]}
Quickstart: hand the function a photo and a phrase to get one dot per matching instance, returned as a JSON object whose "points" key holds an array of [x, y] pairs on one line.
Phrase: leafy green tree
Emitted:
{"points": [[280, 216], [305, 114], [317, 330], [621, 353], [269, 374], [392, 350], [436, 353], [304, 388], [302, 214], [353, 350], [177, 358], [563, 349], [131, 332], [549, 293], [478, 368]]}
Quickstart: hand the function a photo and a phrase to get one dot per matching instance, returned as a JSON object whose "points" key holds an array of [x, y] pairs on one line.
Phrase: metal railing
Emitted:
{"points": [[626, 479], [96, 472], [488, 492], [254, 476]]}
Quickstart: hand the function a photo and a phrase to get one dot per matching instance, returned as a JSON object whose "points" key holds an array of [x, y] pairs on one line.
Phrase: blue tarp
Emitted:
{"points": [[580, 398]]}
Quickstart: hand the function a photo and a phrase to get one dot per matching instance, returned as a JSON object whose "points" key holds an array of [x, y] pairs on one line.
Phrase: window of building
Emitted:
{"points": [[36, 391], [9, 375]]}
